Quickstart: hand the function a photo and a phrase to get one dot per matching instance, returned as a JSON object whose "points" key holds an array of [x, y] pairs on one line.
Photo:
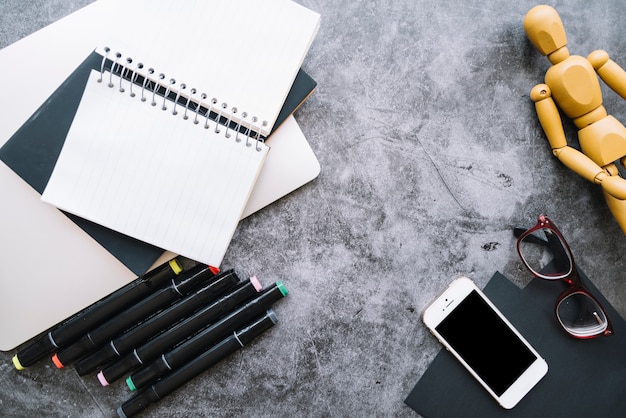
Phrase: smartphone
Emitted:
{"points": [[469, 325]]}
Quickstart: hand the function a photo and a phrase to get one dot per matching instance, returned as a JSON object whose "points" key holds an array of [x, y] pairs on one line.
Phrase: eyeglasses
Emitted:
{"points": [[545, 253]]}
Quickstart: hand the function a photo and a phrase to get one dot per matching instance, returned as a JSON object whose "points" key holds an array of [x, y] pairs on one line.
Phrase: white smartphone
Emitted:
{"points": [[468, 325]]}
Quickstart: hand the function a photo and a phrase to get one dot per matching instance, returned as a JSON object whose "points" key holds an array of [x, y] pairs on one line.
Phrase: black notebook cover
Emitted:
{"points": [[34, 149], [586, 378]]}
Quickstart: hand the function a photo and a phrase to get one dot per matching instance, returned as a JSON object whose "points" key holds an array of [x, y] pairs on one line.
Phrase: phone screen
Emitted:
{"points": [[486, 343]]}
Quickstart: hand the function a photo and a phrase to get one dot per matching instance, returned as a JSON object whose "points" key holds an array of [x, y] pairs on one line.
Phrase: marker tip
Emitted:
{"points": [[120, 412], [57, 362], [102, 379], [17, 364], [131, 385], [256, 283]]}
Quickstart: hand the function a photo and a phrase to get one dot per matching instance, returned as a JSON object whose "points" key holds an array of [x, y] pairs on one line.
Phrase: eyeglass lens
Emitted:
{"points": [[542, 248], [580, 315], [546, 255]]}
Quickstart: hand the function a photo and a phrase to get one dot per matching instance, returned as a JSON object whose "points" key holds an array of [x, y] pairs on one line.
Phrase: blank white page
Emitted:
{"points": [[149, 174], [245, 53]]}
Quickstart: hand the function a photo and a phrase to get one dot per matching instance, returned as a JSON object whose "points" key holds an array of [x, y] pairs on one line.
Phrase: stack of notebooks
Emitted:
{"points": [[137, 128]]}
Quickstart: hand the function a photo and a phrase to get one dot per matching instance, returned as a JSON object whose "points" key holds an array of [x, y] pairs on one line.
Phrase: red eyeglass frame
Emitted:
{"points": [[571, 277]]}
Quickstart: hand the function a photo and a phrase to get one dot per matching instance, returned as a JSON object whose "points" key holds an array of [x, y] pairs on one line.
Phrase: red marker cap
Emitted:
{"points": [[57, 362]]}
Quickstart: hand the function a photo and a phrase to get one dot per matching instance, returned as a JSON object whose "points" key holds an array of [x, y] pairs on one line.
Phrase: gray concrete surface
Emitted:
{"points": [[431, 153]]}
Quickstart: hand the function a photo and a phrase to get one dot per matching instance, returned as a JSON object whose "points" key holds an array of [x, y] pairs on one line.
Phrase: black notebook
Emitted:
{"points": [[33, 151], [586, 378]]}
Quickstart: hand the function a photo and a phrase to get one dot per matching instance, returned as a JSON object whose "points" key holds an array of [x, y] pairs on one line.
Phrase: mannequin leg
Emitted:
{"points": [[618, 209]]}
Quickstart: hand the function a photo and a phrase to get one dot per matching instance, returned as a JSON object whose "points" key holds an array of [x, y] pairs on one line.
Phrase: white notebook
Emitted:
{"points": [[166, 114], [67, 269], [153, 175]]}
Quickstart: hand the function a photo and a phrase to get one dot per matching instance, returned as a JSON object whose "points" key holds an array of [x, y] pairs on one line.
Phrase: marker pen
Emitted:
{"points": [[159, 323], [180, 376], [207, 338], [100, 311], [182, 331], [144, 308]]}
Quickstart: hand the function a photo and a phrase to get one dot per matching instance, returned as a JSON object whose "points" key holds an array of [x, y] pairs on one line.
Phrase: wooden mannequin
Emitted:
{"points": [[571, 84]]}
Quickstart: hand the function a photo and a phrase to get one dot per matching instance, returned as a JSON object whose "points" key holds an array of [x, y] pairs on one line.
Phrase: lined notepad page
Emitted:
{"points": [[245, 53], [142, 171]]}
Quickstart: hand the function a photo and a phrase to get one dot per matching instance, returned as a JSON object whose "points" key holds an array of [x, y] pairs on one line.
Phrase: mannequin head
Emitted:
{"points": [[544, 29]]}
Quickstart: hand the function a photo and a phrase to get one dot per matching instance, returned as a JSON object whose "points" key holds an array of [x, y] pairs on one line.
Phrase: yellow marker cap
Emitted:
{"points": [[176, 268], [17, 364]]}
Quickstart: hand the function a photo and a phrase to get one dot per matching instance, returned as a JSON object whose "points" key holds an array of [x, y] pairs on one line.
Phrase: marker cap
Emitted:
{"points": [[131, 385], [45, 345], [282, 288], [257, 284], [17, 364], [257, 327], [57, 362], [272, 316], [176, 268], [102, 379]]}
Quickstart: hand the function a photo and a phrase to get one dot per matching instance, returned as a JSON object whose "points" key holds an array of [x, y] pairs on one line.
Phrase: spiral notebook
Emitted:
{"points": [[153, 174], [173, 163], [33, 149]]}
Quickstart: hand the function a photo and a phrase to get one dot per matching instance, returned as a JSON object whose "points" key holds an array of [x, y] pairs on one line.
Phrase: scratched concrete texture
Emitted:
{"points": [[431, 153]]}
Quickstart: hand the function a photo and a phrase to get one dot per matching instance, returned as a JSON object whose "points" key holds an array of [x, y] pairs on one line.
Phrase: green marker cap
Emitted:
{"points": [[130, 383], [282, 288]]}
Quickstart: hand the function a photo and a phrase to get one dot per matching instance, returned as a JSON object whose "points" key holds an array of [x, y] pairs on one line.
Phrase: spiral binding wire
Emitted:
{"points": [[196, 108]]}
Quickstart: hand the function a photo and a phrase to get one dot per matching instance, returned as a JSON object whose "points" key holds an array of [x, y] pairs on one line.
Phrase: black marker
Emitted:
{"points": [[141, 310], [186, 351], [100, 311], [159, 323], [180, 332], [180, 376]]}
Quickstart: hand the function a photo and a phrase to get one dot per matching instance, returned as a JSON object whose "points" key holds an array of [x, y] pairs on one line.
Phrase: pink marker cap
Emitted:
{"points": [[256, 283], [102, 380]]}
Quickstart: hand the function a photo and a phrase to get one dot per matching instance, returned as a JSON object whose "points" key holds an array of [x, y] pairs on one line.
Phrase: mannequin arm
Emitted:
{"points": [[548, 115], [580, 164], [613, 185], [583, 166], [612, 74]]}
